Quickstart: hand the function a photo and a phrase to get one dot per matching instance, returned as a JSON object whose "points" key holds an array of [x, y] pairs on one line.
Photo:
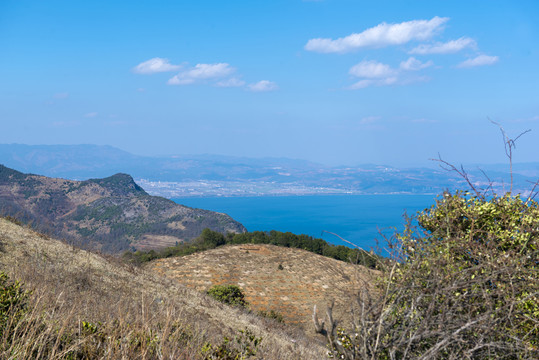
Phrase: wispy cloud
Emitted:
{"points": [[262, 86], [361, 84], [374, 73], [90, 115], [480, 60], [372, 69], [449, 47], [412, 64], [201, 72], [381, 35], [155, 65], [232, 82], [215, 74]]}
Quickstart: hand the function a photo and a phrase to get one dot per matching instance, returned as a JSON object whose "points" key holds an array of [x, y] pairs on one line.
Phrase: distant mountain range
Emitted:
{"points": [[111, 214], [214, 175]]}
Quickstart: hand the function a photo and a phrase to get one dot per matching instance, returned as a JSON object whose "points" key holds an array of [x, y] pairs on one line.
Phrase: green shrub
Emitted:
{"points": [[228, 294], [13, 303], [272, 314], [244, 346], [463, 284]]}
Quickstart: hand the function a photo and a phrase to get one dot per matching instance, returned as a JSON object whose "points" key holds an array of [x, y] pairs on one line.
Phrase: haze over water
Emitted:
{"points": [[356, 218]]}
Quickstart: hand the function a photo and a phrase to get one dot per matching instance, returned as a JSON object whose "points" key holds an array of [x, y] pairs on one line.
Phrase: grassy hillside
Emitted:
{"points": [[84, 303]]}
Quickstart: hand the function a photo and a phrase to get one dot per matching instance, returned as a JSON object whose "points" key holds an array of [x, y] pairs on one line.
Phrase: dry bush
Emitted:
{"points": [[50, 330]]}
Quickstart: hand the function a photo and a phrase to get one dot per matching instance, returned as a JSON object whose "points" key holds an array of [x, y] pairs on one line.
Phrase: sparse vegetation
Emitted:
{"points": [[244, 346], [272, 314], [307, 278], [85, 306], [211, 239]]}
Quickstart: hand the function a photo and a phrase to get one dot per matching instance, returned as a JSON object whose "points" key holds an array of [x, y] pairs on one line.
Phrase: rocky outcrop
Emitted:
{"points": [[112, 214]]}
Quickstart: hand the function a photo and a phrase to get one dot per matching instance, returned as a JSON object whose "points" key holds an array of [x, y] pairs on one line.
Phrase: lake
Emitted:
{"points": [[356, 218]]}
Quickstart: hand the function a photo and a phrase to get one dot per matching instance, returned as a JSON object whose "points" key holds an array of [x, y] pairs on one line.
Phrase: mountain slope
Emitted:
{"points": [[112, 214], [74, 286]]}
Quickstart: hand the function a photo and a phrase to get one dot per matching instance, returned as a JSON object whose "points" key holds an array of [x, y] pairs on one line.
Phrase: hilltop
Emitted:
{"points": [[111, 214], [286, 280]]}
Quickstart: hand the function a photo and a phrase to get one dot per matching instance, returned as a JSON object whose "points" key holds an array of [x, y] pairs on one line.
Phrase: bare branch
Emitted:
{"points": [[533, 193], [509, 145], [461, 172], [351, 243], [489, 182]]}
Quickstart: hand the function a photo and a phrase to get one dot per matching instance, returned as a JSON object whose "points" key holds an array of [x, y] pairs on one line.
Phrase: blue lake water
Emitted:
{"points": [[356, 218]]}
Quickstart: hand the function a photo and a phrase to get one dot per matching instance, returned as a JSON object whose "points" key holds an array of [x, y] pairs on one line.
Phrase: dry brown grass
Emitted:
{"points": [[71, 286], [306, 279]]}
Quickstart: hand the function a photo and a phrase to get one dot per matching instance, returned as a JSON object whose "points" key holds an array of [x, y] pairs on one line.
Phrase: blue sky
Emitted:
{"points": [[332, 81]]}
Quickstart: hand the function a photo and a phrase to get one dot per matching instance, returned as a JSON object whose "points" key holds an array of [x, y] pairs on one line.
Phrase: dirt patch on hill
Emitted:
{"points": [[289, 281], [149, 242]]}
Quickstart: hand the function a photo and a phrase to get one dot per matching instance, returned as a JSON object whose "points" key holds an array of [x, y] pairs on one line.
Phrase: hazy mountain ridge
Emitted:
{"points": [[215, 175], [112, 214]]}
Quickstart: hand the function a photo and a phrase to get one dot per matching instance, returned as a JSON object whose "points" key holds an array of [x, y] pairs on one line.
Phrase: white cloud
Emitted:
{"points": [[361, 84], [381, 35], [373, 73], [207, 71], [90, 115], [155, 65], [371, 69], [263, 85], [449, 47], [480, 60], [232, 82], [178, 80], [216, 74], [201, 72], [412, 64]]}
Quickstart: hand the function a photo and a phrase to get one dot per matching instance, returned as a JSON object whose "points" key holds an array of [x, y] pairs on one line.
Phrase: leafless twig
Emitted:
{"points": [[509, 145], [462, 173]]}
